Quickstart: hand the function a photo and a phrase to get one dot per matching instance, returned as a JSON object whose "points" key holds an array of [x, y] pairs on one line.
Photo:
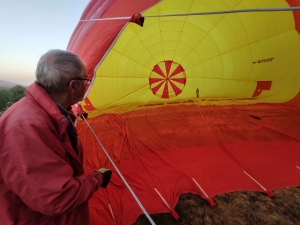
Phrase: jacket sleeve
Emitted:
{"points": [[33, 167]]}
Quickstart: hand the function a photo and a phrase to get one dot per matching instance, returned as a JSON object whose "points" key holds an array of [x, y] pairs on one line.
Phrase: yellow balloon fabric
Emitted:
{"points": [[235, 58]]}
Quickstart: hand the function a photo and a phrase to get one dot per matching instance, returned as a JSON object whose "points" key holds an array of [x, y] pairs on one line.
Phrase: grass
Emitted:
{"points": [[242, 208]]}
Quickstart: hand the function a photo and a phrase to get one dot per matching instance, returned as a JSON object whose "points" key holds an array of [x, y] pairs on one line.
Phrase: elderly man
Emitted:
{"points": [[41, 174]]}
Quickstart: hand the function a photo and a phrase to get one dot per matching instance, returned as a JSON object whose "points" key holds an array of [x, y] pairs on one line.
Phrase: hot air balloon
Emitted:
{"points": [[202, 96]]}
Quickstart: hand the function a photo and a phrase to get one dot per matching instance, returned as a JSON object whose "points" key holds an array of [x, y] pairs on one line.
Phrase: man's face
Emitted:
{"points": [[82, 84], [77, 87]]}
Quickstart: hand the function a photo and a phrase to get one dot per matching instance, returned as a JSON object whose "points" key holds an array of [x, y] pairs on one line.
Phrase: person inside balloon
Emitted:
{"points": [[41, 174]]}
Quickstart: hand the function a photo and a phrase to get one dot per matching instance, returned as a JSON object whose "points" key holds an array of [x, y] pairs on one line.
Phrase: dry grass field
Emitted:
{"points": [[241, 208]]}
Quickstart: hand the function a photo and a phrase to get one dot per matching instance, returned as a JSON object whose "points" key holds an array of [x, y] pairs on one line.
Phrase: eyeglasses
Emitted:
{"points": [[87, 81]]}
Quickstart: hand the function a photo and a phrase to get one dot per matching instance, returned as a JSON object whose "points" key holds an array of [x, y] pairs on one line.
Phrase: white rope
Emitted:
{"points": [[204, 13], [255, 181], [118, 171]]}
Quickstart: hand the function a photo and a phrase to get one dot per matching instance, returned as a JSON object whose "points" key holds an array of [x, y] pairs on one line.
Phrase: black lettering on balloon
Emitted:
{"points": [[263, 60]]}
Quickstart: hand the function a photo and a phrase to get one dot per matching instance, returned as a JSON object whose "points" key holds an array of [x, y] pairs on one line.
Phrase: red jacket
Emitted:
{"points": [[41, 176]]}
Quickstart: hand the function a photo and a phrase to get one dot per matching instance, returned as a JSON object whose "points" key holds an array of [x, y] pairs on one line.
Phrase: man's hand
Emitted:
{"points": [[106, 173]]}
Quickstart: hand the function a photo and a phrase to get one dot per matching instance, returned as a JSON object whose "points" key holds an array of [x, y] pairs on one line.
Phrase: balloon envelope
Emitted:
{"points": [[206, 104]]}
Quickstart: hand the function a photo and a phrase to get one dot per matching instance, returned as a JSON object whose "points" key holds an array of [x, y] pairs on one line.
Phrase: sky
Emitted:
{"points": [[29, 28]]}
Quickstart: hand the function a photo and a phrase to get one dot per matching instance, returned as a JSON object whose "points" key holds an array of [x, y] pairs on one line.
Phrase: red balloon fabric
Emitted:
{"points": [[207, 150]]}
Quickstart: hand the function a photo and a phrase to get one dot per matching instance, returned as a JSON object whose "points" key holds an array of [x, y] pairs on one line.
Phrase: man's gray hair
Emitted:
{"points": [[57, 68]]}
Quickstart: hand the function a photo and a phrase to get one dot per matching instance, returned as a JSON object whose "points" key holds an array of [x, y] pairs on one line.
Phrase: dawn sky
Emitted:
{"points": [[29, 28]]}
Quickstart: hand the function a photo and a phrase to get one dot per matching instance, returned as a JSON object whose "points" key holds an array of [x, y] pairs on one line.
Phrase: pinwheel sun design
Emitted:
{"points": [[167, 79]]}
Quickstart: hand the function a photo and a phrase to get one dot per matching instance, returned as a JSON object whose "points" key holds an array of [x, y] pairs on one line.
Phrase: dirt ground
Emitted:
{"points": [[241, 208]]}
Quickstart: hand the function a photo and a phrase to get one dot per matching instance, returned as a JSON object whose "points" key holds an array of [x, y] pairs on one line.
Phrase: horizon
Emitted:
{"points": [[8, 84]]}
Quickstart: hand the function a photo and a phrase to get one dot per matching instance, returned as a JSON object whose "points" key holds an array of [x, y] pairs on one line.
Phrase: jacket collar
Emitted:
{"points": [[40, 95]]}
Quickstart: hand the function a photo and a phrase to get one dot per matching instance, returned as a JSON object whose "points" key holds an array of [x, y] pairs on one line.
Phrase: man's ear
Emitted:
{"points": [[72, 86]]}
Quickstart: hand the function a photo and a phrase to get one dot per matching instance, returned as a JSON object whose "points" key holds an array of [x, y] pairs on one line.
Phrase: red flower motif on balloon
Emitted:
{"points": [[167, 79]]}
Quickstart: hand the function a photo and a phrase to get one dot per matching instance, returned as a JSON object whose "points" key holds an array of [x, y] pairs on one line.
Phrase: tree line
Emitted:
{"points": [[10, 96]]}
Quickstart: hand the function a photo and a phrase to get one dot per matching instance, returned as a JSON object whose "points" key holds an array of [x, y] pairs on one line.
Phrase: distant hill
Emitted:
{"points": [[7, 85]]}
